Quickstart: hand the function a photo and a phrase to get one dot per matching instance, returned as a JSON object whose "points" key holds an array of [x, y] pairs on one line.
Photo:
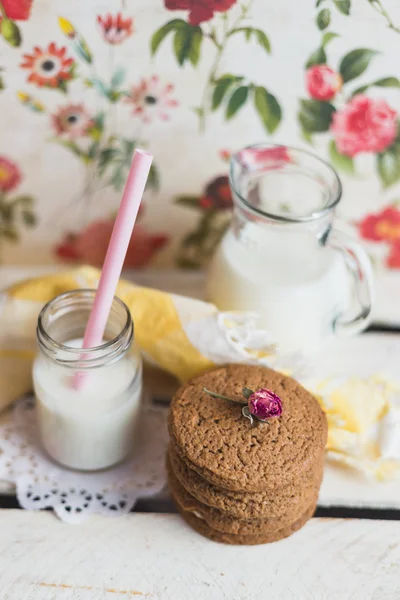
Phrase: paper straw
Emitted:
{"points": [[116, 252]]}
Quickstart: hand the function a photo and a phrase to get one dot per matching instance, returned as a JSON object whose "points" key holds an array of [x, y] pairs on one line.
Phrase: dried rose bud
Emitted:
{"points": [[264, 404]]}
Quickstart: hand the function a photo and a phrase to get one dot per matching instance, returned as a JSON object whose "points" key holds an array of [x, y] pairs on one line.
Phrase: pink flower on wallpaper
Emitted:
{"points": [[17, 10], [322, 82], [72, 120], [152, 99], [115, 29], [49, 67], [10, 175], [383, 226], [266, 158], [225, 154], [364, 125], [200, 10], [90, 245]]}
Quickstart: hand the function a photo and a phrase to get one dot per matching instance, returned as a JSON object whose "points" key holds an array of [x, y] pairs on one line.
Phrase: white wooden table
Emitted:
{"points": [[158, 556]]}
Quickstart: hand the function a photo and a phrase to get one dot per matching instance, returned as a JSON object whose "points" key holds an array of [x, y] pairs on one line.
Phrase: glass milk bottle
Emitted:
{"points": [[89, 426], [282, 258]]}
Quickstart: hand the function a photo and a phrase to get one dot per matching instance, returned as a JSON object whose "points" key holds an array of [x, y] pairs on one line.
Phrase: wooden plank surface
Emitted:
{"points": [[159, 557]]}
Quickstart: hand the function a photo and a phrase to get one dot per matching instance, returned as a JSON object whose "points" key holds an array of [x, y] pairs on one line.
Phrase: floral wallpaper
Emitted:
{"points": [[83, 84]]}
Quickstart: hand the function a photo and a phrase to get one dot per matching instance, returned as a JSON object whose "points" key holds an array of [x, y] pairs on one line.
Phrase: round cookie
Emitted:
{"points": [[201, 527], [281, 501], [225, 523], [215, 440]]}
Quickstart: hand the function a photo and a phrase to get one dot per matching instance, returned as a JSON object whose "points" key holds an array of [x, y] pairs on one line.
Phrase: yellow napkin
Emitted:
{"points": [[363, 423], [181, 335]]}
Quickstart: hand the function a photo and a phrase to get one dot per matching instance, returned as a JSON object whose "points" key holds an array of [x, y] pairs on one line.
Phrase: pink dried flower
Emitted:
{"points": [[264, 404]]}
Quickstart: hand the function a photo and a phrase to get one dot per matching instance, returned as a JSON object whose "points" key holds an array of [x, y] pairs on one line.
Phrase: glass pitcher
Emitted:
{"points": [[282, 258]]}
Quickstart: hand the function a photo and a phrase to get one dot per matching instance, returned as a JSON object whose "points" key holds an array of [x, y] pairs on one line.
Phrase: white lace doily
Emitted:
{"points": [[41, 483]]}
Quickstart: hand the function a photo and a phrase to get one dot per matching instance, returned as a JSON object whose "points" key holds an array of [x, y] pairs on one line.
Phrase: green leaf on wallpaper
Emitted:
{"points": [[323, 18], [268, 108], [118, 178], [318, 57], [118, 78], [188, 263], [315, 116], [390, 82], [72, 146], [162, 33], [340, 161], [10, 233], [318, 2], [29, 218], [99, 86], [188, 201], [182, 44], [328, 37], [388, 164], [198, 111], [82, 49], [62, 86], [128, 147], [6, 212], [187, 43], [96, 129], [355, 63], [361, 89], [153, 180], [221, 87], [99, 121], [195, 46], [306, 135], [23, 200], [387, 82], [195, 238], [263, 40], [343, 5], [106, 156], [93, 150], [250, 32], [10, 32], [236, 101], [2, 86]]}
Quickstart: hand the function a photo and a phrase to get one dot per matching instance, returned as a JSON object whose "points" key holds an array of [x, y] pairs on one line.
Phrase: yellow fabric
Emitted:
{"points": [[355, 408], [158, 328]]}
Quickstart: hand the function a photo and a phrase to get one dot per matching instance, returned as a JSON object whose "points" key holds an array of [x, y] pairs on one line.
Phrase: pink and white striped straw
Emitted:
{"points": [[116, 252]]}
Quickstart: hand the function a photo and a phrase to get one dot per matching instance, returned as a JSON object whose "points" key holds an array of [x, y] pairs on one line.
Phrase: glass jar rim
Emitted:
{"points": [[318, 214], [109, 351]]}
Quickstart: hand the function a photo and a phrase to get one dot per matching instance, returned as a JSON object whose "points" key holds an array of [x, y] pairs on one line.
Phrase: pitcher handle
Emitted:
{"points": [[359, 266]]}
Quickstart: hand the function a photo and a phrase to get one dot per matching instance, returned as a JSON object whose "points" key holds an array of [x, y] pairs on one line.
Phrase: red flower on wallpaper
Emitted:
{"points": [[10, 175], [90, 245], [364, 125], [72, 120], [17, 10], [393, 258], [383, 226], [322, 82], [217, 195], [115, 28], [200, 10], [151, 98], [267, 158], [49, 67]]}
